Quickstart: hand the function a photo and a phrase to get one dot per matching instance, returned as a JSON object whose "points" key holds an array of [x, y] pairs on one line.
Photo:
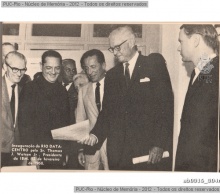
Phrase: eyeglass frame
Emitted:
{"points": [[117, 47], [15, 70]]}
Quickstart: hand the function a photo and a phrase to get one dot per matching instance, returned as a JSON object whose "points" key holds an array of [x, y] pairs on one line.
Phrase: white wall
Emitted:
{"points": [[179, 74]]}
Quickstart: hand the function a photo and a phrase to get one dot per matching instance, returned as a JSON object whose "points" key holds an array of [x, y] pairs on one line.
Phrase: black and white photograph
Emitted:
{"points": [[128, 96]]}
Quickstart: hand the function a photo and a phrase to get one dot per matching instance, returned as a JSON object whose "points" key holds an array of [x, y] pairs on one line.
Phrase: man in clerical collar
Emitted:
{"points": [[198, 139], [45, 107], [15, 68]]}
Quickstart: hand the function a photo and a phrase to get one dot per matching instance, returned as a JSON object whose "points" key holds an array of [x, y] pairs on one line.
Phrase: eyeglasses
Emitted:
{"points": [[15, 70], [116, 48]]}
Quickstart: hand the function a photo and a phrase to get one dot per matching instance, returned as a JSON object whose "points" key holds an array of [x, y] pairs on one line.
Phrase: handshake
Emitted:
{"points": [[89, 140]]}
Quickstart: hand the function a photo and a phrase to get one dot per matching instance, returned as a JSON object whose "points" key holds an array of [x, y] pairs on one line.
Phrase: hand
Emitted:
{"points": [[90, 140], [81, 158], [155, 155]]}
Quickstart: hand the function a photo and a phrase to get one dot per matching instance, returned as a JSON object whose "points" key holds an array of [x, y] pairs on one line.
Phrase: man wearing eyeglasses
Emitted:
{"points": [[6, 48], [137, 110], [15, 69], [45, 106]]}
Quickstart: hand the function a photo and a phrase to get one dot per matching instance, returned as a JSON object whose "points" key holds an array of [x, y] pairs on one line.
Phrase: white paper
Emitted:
{"points": [[146, 158], [75, 132]]}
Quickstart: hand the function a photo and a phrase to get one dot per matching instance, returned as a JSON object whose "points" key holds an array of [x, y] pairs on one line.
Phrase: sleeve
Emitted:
{"points": [[164, 103], [26, 115], [80, 113], [101, 127], [80, 110]]}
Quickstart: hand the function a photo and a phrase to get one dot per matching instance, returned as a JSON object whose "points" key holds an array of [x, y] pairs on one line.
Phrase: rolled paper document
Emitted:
{"points": [[146, 158], [75, 132]]}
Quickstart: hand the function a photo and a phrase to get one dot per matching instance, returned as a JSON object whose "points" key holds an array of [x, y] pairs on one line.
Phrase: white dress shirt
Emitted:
{"points": [[132, 63], [68, 86], [9, 88]]}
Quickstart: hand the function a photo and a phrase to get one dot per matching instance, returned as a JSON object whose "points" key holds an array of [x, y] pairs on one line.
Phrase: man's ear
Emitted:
{"points": [[41, 66], [196, 39], [131, 43], [104, 66]]}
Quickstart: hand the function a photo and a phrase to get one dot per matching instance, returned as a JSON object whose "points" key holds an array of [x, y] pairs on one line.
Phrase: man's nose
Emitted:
{"points": [[19, 73], [53, 71], [115, 52], [179, 48], [89, 71]]}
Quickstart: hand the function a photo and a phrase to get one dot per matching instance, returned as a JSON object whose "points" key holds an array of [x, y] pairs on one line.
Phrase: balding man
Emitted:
{"points": [[6, 48], [15, 68], [137, 109]]}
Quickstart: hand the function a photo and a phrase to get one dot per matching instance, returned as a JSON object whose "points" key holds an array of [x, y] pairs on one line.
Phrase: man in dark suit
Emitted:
{"points": [[137, 110], [44, 106], [68, 71], [15, 68], [198, 139]]}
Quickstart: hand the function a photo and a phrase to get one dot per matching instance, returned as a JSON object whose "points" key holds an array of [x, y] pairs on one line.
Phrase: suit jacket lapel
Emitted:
{"points": [[136, 70], [5, 98], [91, 98]]}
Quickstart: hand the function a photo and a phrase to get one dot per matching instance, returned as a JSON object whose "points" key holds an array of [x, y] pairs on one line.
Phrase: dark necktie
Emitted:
{"points": [[97, 96], [191, 78], [12, 103], [127, 74]]}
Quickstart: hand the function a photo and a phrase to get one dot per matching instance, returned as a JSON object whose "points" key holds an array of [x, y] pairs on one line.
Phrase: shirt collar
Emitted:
{"points": [[100, 81], [133, 60]]}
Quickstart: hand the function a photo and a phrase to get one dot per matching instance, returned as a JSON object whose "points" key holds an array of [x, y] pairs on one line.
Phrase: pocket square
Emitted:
{"points": [[146, 79]]}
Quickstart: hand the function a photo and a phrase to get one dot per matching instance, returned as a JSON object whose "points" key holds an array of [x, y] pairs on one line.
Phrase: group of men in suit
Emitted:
{"points": [[130, 107]]}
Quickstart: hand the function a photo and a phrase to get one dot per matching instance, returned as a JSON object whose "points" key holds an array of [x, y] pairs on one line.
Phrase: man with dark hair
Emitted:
{"points": [[68, 71], [45, 106], [15, 68], [198, 139], [137, 108], [90, 104]]}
